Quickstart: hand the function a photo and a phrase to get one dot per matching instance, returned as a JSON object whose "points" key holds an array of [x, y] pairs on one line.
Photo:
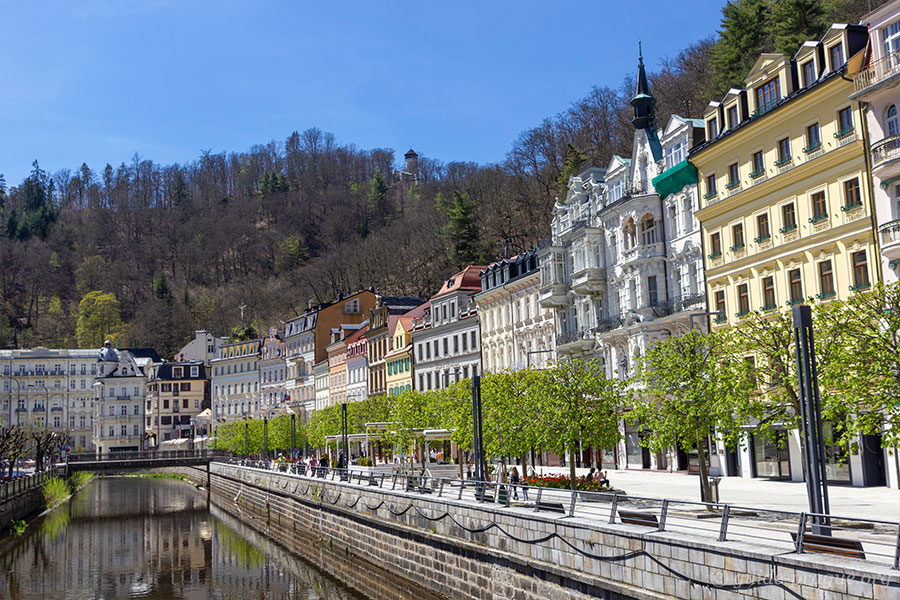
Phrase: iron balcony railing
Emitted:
{"points": [[575, 335], [889, 232], [877, 71], [886, 150]]}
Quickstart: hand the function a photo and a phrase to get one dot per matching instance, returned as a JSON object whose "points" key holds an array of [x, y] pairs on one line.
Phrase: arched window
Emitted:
{"points": [[630, 234], [648, 230], [891, 124]]}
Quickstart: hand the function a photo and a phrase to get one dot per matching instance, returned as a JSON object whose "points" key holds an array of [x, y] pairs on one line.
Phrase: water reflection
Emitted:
{"points": [[155, 539]]}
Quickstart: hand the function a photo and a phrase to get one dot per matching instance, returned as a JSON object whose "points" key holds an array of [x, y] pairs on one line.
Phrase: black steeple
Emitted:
{"points": [[643, 101]]}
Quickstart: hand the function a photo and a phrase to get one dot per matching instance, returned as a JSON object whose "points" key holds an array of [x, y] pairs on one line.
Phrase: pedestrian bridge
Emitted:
{"points": [[131, 461]]}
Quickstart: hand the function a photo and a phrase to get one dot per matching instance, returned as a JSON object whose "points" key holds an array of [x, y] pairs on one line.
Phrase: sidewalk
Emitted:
{"points": [[846, 501]]}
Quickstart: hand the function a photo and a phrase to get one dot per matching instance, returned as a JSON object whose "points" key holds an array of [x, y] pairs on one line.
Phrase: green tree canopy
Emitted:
{"points": [[98, 319]]}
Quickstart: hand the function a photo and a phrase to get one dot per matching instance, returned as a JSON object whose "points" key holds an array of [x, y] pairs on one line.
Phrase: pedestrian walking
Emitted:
{"points": [[514, 481]]}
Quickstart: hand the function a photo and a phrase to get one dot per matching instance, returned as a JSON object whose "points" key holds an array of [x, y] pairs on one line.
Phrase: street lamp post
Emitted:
{"points": [[477, 434], [247, 439], [344, 437], [293, 436], [265, 438]]}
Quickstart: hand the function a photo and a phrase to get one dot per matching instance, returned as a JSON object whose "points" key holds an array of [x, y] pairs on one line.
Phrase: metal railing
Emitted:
{"points": [[877, 71], [144, 455], [25, 483], [782, 531], [885, 150], [889, 232]]}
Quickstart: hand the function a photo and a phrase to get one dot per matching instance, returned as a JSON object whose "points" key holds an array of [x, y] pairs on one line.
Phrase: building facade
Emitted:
{"points": [[516, 331], [119, 392], [300, 348], [204, 347], [447, 338], [50, 388], [272, 373], [382, 322], [357, 365], [235, 380], [787, 212], [875, 83], [176, 393], [399, 361]]}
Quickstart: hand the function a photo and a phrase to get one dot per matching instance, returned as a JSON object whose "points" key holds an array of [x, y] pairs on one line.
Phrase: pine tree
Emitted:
{"points": [[461, 231], [379, 209], [744, 35], [574, 159], [796, 21]]}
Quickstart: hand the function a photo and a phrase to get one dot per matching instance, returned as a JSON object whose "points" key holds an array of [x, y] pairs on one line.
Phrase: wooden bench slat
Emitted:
{"points": [[551, 506], [825, 544], [631, 517]]}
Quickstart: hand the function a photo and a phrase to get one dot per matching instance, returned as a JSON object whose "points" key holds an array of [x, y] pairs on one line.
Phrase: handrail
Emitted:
{"points": [[727, 521]]}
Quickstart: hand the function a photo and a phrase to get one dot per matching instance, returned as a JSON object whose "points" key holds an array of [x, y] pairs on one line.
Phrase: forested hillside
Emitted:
{"points": [[146, 253]]}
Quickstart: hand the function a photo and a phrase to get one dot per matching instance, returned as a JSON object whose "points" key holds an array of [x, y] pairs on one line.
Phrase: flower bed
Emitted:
{"points": [[562, 482]]}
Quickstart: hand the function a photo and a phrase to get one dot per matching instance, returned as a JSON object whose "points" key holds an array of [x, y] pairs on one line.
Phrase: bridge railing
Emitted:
{"points": [[872, 540], [19, 485], [144, 455]]}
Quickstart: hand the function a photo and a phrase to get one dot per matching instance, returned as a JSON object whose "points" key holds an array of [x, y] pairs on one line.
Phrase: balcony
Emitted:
{"points": [[590, 280], [575, 342], [845, 136], [827, 295], [878, 73], [553, 295], [609, 324], [886, 157], [889, 235], [643, 251]]}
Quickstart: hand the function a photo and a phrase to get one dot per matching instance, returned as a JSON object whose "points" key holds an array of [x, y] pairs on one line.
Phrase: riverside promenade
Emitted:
{"points": [[846, 501]]}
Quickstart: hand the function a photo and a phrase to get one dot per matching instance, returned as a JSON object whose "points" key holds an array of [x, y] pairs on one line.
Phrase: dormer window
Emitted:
{"points": [[617, 190], [836, 53], [713, 128], [733, 117], [808, 69], [767, 95]]}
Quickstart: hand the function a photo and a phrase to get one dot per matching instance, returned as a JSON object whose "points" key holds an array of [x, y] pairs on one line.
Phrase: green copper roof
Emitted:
{"points": [[673, 180]]}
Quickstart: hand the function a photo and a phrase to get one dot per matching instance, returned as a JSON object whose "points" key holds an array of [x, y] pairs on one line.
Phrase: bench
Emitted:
{"points": [[633, 517], [556, 507], [825, 544]]}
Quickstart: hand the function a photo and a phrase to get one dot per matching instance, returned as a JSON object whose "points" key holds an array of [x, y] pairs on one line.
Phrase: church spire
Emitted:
{"points": [[643, 101]]}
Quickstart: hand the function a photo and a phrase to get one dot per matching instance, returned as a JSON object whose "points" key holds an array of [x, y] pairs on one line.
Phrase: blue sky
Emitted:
{"points": [[97, 80]]}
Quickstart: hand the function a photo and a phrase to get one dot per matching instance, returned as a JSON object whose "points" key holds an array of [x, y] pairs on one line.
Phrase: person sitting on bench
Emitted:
{"points": [[601, 478]]}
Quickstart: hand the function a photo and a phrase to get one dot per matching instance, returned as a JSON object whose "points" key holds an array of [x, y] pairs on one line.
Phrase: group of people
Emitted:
{"points": [[598, 476]]}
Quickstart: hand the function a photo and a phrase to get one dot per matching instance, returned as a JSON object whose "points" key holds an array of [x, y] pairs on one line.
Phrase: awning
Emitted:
{"points": [[673, 180], [176, 442]]}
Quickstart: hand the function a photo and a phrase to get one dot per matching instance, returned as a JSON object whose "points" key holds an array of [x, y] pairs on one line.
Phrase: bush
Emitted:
{"points": [[79, 479], [563, 482], [364, 462], [55, 491]]}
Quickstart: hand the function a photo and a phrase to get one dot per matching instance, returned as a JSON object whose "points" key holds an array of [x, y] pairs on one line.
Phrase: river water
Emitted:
{"points": [[160, 539]]}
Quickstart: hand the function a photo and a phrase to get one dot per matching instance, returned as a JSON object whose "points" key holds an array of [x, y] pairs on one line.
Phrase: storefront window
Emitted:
{"points": [[837, 460], [770, 456]]}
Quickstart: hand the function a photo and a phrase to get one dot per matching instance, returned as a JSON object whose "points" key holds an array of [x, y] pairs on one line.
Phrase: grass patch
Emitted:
{"points": [[18, 527], [161, 476], [79, 479], [55, 491]]}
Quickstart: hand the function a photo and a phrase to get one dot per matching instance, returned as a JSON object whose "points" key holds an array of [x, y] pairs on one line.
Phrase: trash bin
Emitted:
{"points": [[714, 489]]}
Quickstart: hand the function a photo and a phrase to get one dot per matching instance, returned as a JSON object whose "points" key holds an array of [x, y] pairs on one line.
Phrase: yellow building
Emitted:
{"points": [[398, 362], [786, 213]]}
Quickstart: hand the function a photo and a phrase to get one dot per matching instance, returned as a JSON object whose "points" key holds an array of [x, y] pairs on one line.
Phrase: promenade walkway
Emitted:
{"points": [[846, 501]]}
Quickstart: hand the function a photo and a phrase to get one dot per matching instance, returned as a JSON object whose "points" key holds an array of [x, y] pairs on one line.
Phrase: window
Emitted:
{"points": [[836, 53], [465, 347], [784, 151], [472, 335], [845, 122], [795, 286], [446, 344], [710, 185], [177, 372], [758, 166], [890, 40], [762, 227], [713, 128], [617, 190], [788, 218], [819, 210], [186, 386], [743, 300], [733, 117], [195, 371], [768, 293], [715, 245], [648, 230], [891, 125], [720, 305], [826, 280], [813, 139], [455, 344], [737, 237], [851, 193], [166, 404], [733, 176], [675, 154], [652, 292], [860, 270], [767, 95], [809, 72]]}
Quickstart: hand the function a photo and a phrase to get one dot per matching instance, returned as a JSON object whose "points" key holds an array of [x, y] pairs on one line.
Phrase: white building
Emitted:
{"points": [[877, 82], [272, 373], [50, 388], [357, 365], [516, 331], [447, 340], [119, 392], [235, 380], [202, 348], [300, 344], [623, 269]]}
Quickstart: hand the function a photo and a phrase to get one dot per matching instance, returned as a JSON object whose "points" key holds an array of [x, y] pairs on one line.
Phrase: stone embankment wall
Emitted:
{"points": [[490, 552], [20, 506]]}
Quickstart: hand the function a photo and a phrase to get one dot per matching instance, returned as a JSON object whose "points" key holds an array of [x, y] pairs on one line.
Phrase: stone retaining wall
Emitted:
{"points": [[516, 553], [21, 506]]}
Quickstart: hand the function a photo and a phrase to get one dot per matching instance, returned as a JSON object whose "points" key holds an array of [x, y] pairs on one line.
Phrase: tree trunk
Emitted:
{"points": [[572, 468], [705, 492]]}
